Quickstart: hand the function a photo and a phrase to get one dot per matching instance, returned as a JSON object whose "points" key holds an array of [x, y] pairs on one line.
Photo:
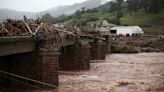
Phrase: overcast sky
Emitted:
{"points": [[35, 5]]}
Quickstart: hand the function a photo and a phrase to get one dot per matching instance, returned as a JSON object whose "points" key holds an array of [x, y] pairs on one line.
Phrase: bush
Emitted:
{"points": [[123, 49], [115, 21]]}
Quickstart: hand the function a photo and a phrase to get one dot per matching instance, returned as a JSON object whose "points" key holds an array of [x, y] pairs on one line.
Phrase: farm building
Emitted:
{"points": [[126, 30]]}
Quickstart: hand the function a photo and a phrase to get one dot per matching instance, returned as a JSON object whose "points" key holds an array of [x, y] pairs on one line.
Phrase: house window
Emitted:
{"points": [[127, 35], [113, 31], [133, 35]]}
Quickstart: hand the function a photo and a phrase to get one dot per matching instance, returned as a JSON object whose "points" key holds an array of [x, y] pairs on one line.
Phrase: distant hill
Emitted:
{"points": [[8, 13], [67, 10], [55, 12]]}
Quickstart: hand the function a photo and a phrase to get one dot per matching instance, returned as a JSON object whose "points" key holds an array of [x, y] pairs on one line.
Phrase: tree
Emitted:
{"points": [[133, 5], [151, 6], [119, 14], [94, 10], [83, 9], [119, 2], [62, 18], [77, 13], [115, 21], [114, 6], [48, 18], [154, 6]]}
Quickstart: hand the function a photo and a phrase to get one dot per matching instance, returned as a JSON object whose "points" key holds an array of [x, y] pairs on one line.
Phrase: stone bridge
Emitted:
{"points": [[36, 62]]}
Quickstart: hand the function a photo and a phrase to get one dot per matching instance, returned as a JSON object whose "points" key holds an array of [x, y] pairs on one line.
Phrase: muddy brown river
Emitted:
{"points": [[142, 72]]}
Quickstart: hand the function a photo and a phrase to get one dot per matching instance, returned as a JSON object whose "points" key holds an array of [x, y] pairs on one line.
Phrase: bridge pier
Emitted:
{"points": [[98, 50], [46, 68], [75, 57], [108, 43], [40, 66], [3, 66]]}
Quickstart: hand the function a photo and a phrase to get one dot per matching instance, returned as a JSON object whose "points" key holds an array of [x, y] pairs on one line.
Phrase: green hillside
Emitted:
{"points": [[137, 18], [148, 15], [142, 18], [151, 23], [88, 17]]}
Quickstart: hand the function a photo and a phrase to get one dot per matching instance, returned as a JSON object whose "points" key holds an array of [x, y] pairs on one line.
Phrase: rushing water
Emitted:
{"points": [[142, 72]]}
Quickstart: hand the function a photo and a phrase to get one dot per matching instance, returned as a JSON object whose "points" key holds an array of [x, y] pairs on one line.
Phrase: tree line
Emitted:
{"points": [[150, 6]]}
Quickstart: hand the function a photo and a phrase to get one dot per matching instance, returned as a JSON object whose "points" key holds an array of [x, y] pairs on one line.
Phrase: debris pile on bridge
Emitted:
{"points": [[24, 27], [65, 48], [42, 67], [12, 27]]}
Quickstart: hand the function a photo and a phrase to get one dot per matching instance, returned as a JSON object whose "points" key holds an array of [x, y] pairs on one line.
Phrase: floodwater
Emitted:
{"points": [[119, 73], [142, 72]]}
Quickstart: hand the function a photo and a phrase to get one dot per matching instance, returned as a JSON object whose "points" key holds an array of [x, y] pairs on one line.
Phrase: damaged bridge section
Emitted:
{"points": [[32, 58], [36, 68]]}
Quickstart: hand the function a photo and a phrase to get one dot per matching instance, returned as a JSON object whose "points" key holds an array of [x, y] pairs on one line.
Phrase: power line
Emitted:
{"points": [[29, 79], [19, 81]]}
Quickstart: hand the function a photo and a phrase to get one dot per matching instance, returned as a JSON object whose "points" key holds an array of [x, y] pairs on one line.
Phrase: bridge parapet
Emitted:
{"points": [[16, 45]]}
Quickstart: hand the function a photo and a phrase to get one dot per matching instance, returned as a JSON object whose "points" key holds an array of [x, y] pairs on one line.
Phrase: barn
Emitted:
{"points": [[126, 30]]}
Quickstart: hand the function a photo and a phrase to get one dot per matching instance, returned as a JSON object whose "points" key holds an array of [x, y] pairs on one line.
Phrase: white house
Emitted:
{"points": [[126, 30], [100, 23], [102, 26]]}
